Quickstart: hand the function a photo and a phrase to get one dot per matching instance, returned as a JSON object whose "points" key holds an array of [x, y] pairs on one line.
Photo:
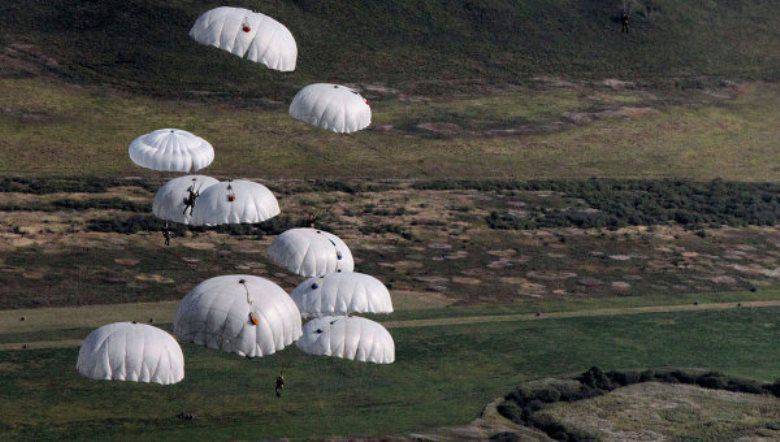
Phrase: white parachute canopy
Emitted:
{"points": [[125, 351], [348, 337], [341, 294], [235, 202], [331, 106], [311, 252], [169, 200], [242, 314], [253, 35], [171, 150]]}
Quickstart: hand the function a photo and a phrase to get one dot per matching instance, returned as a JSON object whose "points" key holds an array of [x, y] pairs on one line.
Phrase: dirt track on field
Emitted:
{"points": [[578, 314], [94, 316]]}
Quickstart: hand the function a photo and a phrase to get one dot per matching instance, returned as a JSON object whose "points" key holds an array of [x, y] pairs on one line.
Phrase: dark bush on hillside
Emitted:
{"points": [[47, 185], [624, 378], [637, 202], [774, 388], [595, 378], [149, 223], [134, 224], [54, 185], [712, 380], [746, 386], [111, 203], [558, 431], [511, 411], [532, 397], [547, 395], [505, 436], [386, 228], [647, 376]]}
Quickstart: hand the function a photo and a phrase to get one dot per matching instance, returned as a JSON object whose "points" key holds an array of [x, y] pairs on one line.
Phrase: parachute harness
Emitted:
{"points": [[231, 196]]}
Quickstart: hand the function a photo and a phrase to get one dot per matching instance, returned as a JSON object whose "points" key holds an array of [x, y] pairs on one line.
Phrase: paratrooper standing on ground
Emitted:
{"points": [[624, 20], [167, 234], [279, 385]]}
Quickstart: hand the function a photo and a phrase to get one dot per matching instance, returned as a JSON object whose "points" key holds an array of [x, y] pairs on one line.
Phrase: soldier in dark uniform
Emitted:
{"points": [[624, 19], [279, 385], [167, 234], [189, 202]]}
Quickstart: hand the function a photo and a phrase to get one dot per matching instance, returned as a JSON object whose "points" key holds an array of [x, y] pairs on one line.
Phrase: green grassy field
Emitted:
{"points": [[443, 375], [519, 88], [49, 128], [418, 44]]}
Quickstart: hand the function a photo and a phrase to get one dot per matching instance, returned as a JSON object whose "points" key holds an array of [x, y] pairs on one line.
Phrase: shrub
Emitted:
{"points": [[110, 203], [511, 411], [149, 223], [712, 380], [548, 395], [624, 378], [595, 378], [774, 388], [683, 377], [640, 202], [745, 386], [647, 376]]}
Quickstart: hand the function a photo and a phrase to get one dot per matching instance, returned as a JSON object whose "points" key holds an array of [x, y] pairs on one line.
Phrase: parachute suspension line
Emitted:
{"points": [[246, 289], [338, 255], [254, 319]]}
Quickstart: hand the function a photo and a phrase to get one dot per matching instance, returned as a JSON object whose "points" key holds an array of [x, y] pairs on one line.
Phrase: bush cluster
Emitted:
{"points": [[87, 184], [149, 223], [637, 202], [386, 228], [109, 203], [71, 204], [520, 405]]}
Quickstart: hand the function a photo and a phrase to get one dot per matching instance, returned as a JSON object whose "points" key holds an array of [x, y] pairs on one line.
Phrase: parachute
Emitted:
{"points": [[341, 294], [311, 252], [242, 314], [235, 202], [126, 351], [171, 150], [348, 337], [169, 201], [331, 106], [244, 33]]}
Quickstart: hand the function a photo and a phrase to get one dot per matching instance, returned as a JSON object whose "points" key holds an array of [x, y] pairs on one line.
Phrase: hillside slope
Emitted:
{"points": [[419, 45]]}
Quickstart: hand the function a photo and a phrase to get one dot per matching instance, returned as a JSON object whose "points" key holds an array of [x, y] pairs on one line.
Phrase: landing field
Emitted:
{"points": [[443, 376], [546, 129], [540, 192]]}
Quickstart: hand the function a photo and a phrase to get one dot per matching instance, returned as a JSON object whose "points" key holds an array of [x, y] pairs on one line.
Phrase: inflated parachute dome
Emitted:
{"points": [[248, 34], [331, 106], [125, 351], [171, 150], [341, 294], [242, 314], [348, 337], [235, 202], [169, 200], [311, 252]]}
